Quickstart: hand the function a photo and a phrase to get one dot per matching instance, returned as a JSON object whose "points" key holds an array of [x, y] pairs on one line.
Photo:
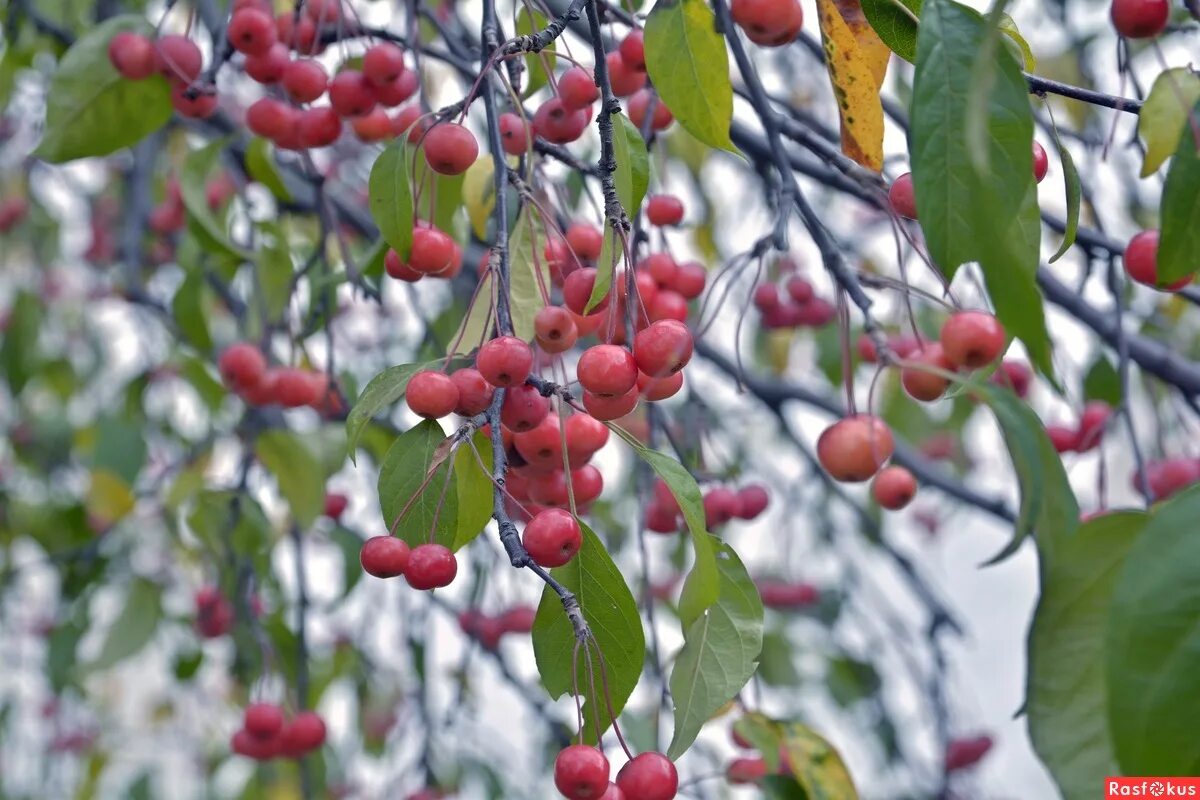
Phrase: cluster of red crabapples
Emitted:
{"points": [[721, 505], [794, 307], [488, 629], [266, 733], [581, 772], [244, 369]]}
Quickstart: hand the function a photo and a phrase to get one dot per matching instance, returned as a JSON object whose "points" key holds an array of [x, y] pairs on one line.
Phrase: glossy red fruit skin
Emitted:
{"points": [[607, 370], [742, 771], [251, 31], [270, 118], [514, 134], [585, 435], [335, 504], [541, 445], [178, 58], [474, 393], [394, 93], [397, 269], [753, 500], [450, 148], [268, 68], [720, 506], [610, 408], [639, 105], [577, 89], [972, 339], [244, 744], [633, 50], [383, 64], [649, 776], [894, 488], [614, 793], [132, 55], [431, 394], [556, 124], [305, 733], [785, 596], [1140, 19], [661, 520], [922, 384], [853, 449], [654, 389], [555, 329], [384, 556], [577, 290], [319, 127], [350, 94], [625, 81], [430, 566], [295, 388], [553, 537], [1141, 262], [586, 240], [664, 209], [690, 279], [963, 753], [768, 23], [242, 364], [263, 720], [581, 772], [432, 251], [305, 80], [663, 348], [902, 198], [1091, 425], [523, 409], [373, 127], [504, 361], [201, 106], [1063, 438], [1041, 162]]}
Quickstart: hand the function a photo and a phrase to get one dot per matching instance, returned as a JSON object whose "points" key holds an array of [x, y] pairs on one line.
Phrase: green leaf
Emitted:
{"points": [[275, 272], [817, 766], [432, 514], [134, 627], [1153, 646], [1102, 382], [350, 545], [947, 190], [479, 195], [390, 197], [1163, 117], [1048, 506], [611, 253], [529, 274], [720, 651], [209, 232], [530, 22], [120, 448], [90, 109], [687, 61], [384, 390], [1016, 43], [1065, 703], [775, 664], [188, 308], [851, 680], [702, 586], [440, 196], [476, 323], [475, 495], [1179, 248], [633, 164], [895, 21], [260, 166], [978, 203], [19, 349], [611, 613], [295, 467], [1074, 190]]}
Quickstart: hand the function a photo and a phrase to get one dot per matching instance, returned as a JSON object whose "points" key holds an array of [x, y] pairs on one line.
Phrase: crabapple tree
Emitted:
{"points": [[507, 398]]}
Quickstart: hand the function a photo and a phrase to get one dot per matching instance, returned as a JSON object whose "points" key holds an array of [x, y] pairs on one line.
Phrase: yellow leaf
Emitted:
{"points": [[479, 195], [109, 498], [779, 349], [857, 60]]}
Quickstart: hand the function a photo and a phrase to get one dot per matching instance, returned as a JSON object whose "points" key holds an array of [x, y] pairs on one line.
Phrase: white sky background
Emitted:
{"points": [[987, 669]]}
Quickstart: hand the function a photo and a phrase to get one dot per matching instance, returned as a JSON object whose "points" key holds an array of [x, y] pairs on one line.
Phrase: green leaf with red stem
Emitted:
{"points": [[389, 196], [1179, 248], [1074, 190], [612, 614], [472, 472], [416, 478]]}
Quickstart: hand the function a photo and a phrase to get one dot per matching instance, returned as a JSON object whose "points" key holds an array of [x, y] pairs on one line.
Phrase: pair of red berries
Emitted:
{"points": [[1167, 477], [433, 254], [177, 58], [1087, 434], [488, 629], [968, 340], [426, 566], [434, 395], [214, 613], [266, 734], [801, 308], [582, 772], [245, 371], [902, 197]]}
